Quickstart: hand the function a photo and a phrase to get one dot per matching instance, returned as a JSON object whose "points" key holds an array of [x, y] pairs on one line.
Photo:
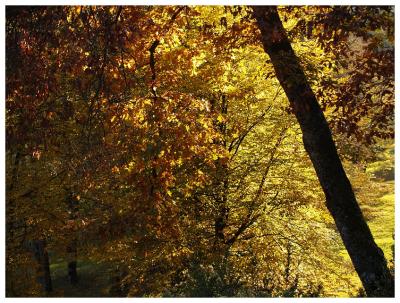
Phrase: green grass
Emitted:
{"points": [[382, 220], [382, 223], [94, 279]]}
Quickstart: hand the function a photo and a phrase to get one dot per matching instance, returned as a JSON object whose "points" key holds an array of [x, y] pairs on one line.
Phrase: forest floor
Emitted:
{"points": [[382, 222], [382, 211], [94, 280]]}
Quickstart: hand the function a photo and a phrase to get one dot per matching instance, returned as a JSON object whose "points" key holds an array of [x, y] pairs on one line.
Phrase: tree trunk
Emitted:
{"points": [[72, 254], [72, 263], [367, 257], [42, 257], [221, 176]]}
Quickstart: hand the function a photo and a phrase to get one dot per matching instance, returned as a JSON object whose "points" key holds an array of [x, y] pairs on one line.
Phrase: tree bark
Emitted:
{"points": [[368, 259], [72, 253], [221, 181], [72, 263], [42, 257]]}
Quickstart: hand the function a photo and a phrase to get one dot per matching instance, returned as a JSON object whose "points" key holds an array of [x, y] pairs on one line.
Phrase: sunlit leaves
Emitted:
{"points": [[155, 152]]}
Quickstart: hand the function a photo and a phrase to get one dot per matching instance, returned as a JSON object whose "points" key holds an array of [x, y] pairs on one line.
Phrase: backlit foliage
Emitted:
{"points": [[169, 128]]}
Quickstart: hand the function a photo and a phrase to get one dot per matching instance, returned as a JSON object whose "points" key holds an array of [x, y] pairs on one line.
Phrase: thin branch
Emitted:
{"points": [[31, 191], [153, 47]]}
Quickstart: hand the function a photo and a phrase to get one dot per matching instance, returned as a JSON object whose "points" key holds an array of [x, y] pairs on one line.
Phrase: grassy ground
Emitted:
{"points": [[94, 280], [383, 216], [382, 225]]}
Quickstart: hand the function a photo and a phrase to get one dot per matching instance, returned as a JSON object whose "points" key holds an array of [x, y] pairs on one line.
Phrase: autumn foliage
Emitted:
{"points": [[158, 141]]}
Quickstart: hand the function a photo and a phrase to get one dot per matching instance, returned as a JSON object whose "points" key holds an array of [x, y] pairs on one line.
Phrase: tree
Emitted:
{"points": [[367, 257], [152, 141]]}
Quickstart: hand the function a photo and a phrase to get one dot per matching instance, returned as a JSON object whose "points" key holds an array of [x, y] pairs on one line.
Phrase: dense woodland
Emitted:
{"points": [[199, 151]]}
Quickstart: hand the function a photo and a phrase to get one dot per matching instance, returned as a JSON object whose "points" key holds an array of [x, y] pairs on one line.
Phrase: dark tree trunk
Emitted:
{"points": [[72, 264], [42, 257], [72, 253], [367, 257], [221, 177]]}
